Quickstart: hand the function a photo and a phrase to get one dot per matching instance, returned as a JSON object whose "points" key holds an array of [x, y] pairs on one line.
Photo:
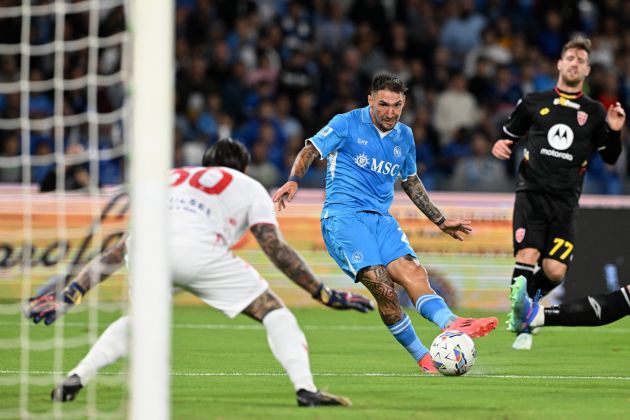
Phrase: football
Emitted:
{"points": [[453, 353]]}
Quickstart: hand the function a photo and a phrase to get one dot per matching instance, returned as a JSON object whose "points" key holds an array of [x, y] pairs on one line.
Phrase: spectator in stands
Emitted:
{"points": [[455, 108], [425, 153], [490, 49], [551, 38], [480, 171], [76, 173], [462, 30], [320, 54], [335, 31], [481, 84], [10, 170], [260, 168]]}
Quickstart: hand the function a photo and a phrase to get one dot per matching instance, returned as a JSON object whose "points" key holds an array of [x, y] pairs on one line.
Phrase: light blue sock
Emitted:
{"points": [[404, 333], [433, 308]]}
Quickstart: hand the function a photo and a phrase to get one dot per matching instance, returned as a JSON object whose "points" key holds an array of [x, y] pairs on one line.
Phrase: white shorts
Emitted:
{"points": [[217, 276]]}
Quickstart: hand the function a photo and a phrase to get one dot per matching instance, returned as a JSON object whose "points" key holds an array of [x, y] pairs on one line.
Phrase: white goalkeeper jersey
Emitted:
{"points": [[215, 205]]}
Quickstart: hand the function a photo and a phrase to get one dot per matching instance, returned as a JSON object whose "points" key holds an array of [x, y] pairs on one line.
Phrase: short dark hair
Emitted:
{"points": [[579, 43], [387, 81], [227, 152]]}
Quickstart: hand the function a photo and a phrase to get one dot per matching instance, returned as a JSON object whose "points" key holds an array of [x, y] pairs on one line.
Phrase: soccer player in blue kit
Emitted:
{"points": [[367, 149]]}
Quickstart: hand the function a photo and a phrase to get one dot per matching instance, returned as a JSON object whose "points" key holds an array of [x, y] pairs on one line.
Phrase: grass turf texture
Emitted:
{"points": [[223, 369]]}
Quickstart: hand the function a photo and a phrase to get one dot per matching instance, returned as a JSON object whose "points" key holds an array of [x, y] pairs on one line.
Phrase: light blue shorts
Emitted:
{"points": [[363, 239]]}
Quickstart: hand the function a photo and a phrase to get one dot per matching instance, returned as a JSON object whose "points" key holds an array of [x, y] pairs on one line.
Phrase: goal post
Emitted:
{"points": [[86, 85], [152, 88]]}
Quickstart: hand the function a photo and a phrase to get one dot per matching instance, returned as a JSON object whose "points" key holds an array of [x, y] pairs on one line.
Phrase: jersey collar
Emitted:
{"points": [[366, 119], [567, 95]]}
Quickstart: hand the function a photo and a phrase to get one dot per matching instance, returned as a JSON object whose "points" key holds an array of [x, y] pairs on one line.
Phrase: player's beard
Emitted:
{"points": [[381, 125], [574, 82]]}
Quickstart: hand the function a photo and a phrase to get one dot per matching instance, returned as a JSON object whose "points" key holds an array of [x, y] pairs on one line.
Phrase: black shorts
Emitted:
{"points": [[545, 222]]}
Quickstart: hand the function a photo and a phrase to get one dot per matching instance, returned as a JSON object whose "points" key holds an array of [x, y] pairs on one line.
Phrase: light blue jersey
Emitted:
{"points": [[362, 167]]}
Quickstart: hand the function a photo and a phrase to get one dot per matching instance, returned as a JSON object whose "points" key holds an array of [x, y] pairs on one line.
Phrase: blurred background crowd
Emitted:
{"points": [[271, 73]]}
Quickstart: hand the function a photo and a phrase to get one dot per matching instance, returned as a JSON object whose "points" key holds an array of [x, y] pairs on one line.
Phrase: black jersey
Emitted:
{"points": [[564, 130]]}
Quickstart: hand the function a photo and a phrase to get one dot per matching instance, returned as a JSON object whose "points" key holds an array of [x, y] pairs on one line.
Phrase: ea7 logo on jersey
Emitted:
{"points": [[326, 131], [560, 136]]}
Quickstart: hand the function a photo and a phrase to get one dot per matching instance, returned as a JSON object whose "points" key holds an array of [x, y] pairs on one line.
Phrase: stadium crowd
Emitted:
{"points": [[270, 73]]}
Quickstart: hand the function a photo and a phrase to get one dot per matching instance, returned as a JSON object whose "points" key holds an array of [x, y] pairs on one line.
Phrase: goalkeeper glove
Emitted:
{"points": [[49, 306], [342, 300]]}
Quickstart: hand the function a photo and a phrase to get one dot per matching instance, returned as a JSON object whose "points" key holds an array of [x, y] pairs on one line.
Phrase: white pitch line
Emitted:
{"points": [[350, 374], [185, 326]]}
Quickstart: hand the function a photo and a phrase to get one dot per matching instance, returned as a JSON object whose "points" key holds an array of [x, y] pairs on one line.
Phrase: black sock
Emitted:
{"points": [[591, 310], [522, 269], [541, 282]]}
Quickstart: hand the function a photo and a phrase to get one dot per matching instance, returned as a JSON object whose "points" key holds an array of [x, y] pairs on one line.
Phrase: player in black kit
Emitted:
{"points": [[565, 127]]}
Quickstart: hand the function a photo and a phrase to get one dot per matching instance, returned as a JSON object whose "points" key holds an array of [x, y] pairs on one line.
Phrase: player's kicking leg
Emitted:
{"points": [[413, 277], [288, 345], [110, 346], [474, 327], [377, 280]]}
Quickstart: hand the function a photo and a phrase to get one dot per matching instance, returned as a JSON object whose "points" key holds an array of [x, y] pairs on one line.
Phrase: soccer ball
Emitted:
{"points": [[453, 353]]}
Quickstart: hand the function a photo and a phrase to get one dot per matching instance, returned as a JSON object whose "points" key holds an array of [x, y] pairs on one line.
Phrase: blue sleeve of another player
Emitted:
{"points": [[409, 165], [332, 136]]}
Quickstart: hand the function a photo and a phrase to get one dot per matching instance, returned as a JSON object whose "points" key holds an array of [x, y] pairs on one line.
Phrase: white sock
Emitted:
{"points": [[288, 345], [110, 346], [539, 318]]}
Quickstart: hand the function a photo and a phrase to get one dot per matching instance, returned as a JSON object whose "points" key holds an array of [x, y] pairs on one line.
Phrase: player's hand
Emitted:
{"points": [[456, 228], [616, 117], [285, 192], [46, 307], [342, 300], [49, 306], [502, 149]]}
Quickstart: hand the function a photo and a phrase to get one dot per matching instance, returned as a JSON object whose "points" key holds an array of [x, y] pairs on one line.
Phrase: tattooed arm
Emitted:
{"points": [[49, 306], [103, 265], [284, 257], [287, 260], [419, 196], [302, 162]]}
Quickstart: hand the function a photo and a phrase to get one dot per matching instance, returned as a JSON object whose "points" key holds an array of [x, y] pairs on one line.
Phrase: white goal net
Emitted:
{"points": [[65, 184]]}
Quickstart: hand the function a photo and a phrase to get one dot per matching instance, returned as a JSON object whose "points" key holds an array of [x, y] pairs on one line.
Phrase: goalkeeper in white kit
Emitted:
{"points": [[210, 208]]}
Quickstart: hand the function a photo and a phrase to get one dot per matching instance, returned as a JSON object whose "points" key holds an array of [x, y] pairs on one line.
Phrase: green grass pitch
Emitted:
{"points": [[223, 369]]}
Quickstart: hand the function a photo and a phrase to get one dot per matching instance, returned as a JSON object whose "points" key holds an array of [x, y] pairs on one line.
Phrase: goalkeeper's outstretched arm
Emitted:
{"points": [[287, 260], [102, 266], [50, 306]]}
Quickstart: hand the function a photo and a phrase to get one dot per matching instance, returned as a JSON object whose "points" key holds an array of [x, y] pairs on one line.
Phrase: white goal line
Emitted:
{"points": [[428, 326], [348, 374]]}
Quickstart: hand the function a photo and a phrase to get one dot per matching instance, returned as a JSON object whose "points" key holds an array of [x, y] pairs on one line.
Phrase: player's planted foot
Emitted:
{"points": [[67, 390], [474, 327], [523, 341], [426, 365], [524, 308], [313, 399]]}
